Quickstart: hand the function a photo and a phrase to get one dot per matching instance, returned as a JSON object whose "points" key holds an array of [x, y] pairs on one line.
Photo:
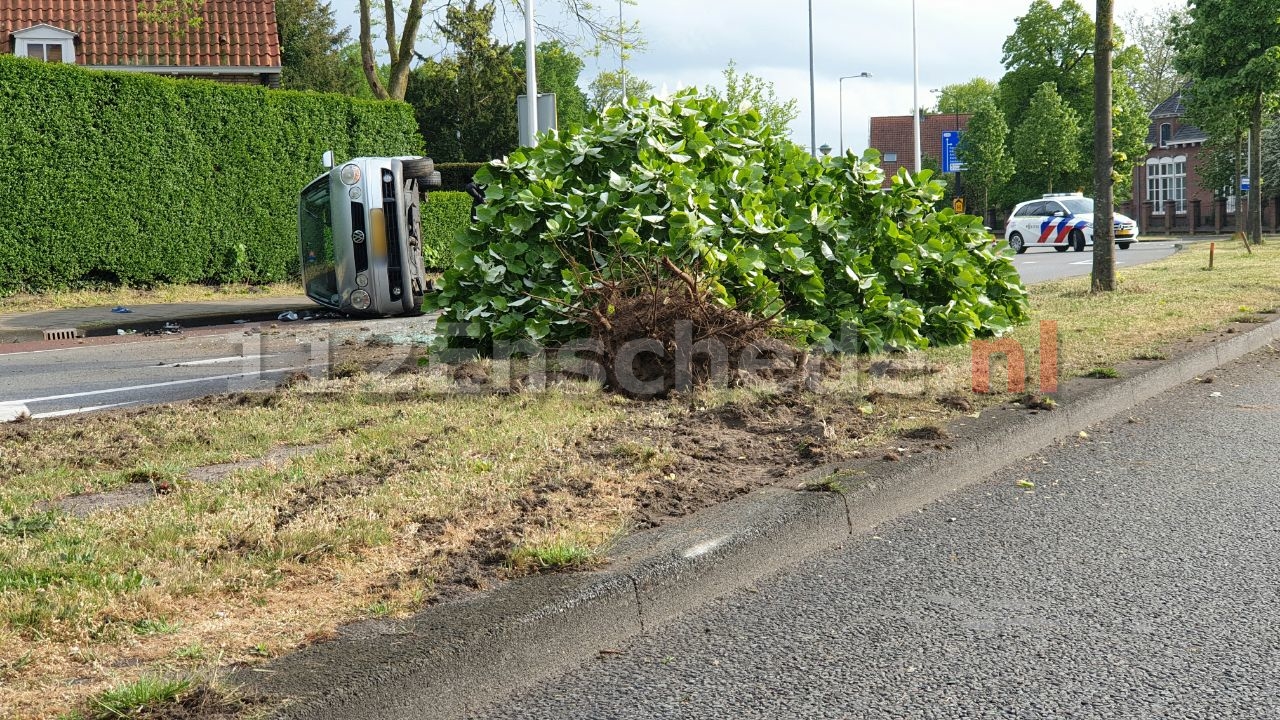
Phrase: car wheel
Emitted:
{"points": [[1015, 242], [1061, 248], [418, 167], [1123, 245], [1076, 240]]}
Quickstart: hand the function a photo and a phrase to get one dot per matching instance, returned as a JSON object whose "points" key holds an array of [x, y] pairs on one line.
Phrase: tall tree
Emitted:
{"points": [[399, 46], [606, 88], [1104, 249], [965, 97], [1230, 49], [759, 93], [1056, 45], [1046, 145], [311, 47], [1154, 79], [558, 70], [983, 150], [465, 103]]}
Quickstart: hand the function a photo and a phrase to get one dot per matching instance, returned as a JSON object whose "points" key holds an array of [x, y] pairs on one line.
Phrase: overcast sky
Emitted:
{"points": [[690, 42]]}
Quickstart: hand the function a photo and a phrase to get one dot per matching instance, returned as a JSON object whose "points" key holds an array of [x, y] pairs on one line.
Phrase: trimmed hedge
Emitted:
{"points": [[444, 215], [456, 175], [128, 178]]}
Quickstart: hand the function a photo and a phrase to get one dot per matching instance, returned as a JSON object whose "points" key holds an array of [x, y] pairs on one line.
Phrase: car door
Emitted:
{"points": [[1031, 223], [1054, 223]]}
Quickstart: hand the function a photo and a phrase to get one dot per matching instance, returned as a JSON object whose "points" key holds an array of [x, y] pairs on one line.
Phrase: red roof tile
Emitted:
{"points": [[235, 33]]}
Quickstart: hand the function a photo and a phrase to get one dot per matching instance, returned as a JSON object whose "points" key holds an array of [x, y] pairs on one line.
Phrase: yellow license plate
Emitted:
{"points": [[1124, 233]]}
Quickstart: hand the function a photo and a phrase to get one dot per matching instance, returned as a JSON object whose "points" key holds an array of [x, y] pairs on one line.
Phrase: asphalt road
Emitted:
{"points": [[1137, 579], [120, 372], [1040, 264]]}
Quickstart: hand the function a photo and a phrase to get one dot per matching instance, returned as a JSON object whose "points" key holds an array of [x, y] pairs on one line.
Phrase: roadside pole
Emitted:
{"points": [[1104, 249]]}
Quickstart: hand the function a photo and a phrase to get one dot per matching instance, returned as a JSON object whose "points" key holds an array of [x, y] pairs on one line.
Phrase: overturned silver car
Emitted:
{"points": [[360, 235]]}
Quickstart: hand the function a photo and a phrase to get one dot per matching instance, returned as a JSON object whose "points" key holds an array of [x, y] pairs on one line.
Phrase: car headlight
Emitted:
{"points": [[349, 174], [356, 193], [360, 300]]}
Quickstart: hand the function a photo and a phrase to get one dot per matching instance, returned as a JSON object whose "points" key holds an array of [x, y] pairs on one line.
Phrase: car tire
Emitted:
{"points": [[1076, 240], [1061, 248], [418, 168], [1016, 243], [1123, 245]]}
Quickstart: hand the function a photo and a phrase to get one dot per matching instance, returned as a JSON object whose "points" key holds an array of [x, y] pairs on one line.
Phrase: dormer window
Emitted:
{"points": [[46, 43], [1166, 134]]}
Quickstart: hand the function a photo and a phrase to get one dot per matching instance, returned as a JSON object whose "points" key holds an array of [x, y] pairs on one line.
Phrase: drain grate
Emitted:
{"points": [[63, 334]]}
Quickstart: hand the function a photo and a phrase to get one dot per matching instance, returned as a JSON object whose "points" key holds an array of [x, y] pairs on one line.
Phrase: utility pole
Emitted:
{"points": [[1104, 248], [530, 75]]}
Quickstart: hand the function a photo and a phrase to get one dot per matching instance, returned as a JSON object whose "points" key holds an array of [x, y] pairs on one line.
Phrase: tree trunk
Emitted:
{"points": [[1255, 171], [1104, 249], [368, 58]]}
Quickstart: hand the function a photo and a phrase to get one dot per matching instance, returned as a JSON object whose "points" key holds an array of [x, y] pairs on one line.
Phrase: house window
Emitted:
{"points": [[1167, 180], [1166, 134], [48, 52], [891, 157], [46, 43]]}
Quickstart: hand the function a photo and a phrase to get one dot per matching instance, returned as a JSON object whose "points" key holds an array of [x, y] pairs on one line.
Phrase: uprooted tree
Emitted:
{"points": [[691, 210]]}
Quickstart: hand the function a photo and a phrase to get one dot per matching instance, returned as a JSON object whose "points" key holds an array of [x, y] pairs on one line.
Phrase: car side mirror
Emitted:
{"points": [[327, 159], [1059, 213]]}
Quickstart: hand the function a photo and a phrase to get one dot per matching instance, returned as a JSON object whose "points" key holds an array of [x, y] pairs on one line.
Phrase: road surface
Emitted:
{"points": [[1040, 264], [105, 373], [1139, 578]]}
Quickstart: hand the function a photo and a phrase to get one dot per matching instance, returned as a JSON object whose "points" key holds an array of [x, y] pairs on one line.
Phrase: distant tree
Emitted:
{"points": [[558, 70], [745, 87], [966, 97], [311, 47], [465, 103], [1056, 45], [1154, 79], [353, 71], [984, 152], [1230, 50], [606, 89], [1046, 144]]}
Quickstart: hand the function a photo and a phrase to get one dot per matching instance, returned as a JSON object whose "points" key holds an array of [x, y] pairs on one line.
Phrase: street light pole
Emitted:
{"points": [[530, 75], [915, 86], [813, 104], [842, 79]]}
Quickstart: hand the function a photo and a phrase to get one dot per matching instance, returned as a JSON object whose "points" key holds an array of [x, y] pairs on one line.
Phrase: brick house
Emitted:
{"points": [[235, 43], [1169, 194], [894, 137]]}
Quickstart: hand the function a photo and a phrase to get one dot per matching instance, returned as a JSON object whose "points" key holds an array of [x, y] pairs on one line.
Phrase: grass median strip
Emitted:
{"points": [[126, 296], [414, 489]]}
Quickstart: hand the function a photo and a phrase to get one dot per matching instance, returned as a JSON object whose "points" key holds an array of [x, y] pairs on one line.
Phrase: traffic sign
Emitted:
{"points": [[1244, 184], [950, 140]]}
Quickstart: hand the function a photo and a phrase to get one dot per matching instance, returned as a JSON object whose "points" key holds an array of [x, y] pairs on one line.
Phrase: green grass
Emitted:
{"points": [[27, 303], [553, 555], [129, 700], [1103, 373]]}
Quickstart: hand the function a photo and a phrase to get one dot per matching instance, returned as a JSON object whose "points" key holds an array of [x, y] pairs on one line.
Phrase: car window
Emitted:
{"points": [[1052, 207], [1031, 208]]}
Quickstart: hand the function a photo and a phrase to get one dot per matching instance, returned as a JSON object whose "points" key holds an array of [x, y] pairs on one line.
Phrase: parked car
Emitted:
{"points": [[1061, 221], [360, 235]]}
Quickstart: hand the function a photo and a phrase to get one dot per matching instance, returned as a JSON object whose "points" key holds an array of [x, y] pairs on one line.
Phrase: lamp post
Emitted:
{"points": [[530, 75], [915, 86], [842, 79], [813, 105]]}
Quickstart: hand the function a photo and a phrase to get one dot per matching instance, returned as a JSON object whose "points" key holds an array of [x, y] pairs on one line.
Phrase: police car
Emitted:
{"points": [[1061, 221]]}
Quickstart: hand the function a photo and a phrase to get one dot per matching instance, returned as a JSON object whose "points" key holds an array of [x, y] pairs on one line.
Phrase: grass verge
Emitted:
{"points": [[412, 488], [27, 303]]}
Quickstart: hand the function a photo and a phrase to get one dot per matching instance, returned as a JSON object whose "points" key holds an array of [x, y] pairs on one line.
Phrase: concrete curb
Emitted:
{"points": [[457, 657]]}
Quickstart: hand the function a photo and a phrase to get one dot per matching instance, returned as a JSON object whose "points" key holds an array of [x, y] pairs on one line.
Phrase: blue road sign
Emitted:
{"points": [[950, 139], [1244, 184]]}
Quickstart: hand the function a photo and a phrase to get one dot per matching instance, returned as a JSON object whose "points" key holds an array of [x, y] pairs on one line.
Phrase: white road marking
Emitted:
{"points": [[77, 411], [149, 386], [216, 361], [9, 412]]}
